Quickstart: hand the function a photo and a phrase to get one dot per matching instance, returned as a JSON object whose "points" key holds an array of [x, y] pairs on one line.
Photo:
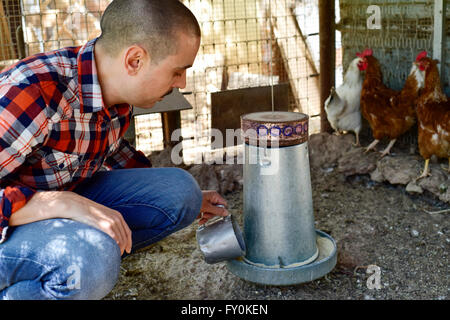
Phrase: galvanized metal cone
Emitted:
{"points": [[283, 247]]}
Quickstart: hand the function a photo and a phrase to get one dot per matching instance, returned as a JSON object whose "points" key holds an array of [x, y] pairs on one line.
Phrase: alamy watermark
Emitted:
{"points": [[374, 280], [374, 20], [74, 280], [262, 152]]}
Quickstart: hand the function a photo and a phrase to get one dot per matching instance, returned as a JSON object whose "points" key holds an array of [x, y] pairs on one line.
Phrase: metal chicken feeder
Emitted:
{"points": [[282, 245]]}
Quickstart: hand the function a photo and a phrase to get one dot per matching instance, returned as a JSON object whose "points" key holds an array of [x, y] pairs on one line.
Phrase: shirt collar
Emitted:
{"points": [[91, 99]]}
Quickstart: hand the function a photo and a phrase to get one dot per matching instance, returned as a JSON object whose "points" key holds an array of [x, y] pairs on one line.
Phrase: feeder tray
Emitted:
{"points": [[322, 265]]}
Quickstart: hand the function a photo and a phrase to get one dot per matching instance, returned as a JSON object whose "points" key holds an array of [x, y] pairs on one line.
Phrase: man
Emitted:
{"points": [[75, 196]]}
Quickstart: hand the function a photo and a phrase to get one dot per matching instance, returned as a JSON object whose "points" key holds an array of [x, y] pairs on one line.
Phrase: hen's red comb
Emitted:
{"points": [[421, 55], [365, 53]]}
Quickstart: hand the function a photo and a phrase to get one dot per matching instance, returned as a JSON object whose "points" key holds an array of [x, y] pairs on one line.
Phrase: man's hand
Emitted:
{"points": [[69, 205], [209, 207]]}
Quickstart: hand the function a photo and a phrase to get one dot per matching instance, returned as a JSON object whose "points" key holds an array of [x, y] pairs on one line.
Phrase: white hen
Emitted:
{"points": [[342, 106]]}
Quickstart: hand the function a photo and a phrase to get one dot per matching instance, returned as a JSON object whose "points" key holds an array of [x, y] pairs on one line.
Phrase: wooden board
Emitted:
{"points": [[228, 106], [172, 102]]}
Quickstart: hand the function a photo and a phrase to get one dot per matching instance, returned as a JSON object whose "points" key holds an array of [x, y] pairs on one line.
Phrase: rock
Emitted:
{"points": [[438, 183], [230, 177], [162, 158], [400, 169], [222, 178], [377, 176], [325, 149], [350, 253], [206, 176], [412, 187], [414, 233], [356, 161]]}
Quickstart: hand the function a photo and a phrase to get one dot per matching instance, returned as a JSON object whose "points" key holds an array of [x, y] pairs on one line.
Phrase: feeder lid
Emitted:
{"points": [[278, 128]]}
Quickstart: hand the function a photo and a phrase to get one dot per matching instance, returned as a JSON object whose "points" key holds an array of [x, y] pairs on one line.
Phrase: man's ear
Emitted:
{"points": [[134, 59]]}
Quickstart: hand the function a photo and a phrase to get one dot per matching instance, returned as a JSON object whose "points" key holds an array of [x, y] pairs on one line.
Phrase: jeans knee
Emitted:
{"points": [[89, 271], [189, 196]]}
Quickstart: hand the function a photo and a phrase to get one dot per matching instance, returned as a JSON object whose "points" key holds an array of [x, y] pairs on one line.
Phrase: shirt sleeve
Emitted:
{"points": [[23, 127], [127, 157]]}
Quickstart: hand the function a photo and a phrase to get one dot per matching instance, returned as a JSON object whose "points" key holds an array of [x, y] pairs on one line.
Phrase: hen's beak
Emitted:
{"points": [[419, 66]]}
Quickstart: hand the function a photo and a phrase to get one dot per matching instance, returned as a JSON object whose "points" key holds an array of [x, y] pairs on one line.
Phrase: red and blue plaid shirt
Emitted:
{"points": [[54, 128]]}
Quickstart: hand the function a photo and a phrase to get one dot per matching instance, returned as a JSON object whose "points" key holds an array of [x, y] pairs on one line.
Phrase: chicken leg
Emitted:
{"points": [[426, 171], [372, 145], [357, 144], [388, 148]]}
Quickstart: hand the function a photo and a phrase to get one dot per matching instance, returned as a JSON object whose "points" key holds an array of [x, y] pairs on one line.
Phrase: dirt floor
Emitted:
{"points": [[373, 223]]}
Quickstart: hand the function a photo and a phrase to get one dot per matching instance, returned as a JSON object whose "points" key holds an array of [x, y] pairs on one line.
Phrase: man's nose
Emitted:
{"points": [[181, 81]]}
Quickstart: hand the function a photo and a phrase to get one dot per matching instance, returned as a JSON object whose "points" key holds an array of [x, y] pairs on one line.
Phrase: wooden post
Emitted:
{"points": [[130, 134], [439, 41], [171, 121], [7, 51], [327, 56]]}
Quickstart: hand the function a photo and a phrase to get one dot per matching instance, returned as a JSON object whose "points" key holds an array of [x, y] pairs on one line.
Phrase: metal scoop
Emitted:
{"points": [[220, 239]]}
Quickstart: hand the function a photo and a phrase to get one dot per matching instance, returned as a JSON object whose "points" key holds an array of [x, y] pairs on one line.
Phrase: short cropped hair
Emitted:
{"points": [[153, 24]]}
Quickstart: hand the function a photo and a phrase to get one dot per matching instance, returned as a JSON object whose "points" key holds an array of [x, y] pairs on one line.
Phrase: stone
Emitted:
{"points": [[162, 158], [206, 176], [414, 233], [438, 183], [399, 169], [356, 161], [412, 187], [325, 149], [230, 177], [350, 252], [376, 175]]}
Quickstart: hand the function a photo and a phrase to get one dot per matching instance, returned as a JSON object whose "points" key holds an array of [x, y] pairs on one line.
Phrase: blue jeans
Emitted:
{"points": [[65, 259]]}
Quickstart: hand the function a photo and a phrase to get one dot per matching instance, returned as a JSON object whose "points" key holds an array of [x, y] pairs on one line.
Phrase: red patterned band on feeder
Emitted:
{"points": [[277, 128]]}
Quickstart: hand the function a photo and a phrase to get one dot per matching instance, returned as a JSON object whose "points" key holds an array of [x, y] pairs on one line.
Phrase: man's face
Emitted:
{"points": [[156, 80]]}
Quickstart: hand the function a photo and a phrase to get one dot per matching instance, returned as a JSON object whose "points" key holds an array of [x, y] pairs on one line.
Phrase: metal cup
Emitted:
{"points": [[220, 239]]}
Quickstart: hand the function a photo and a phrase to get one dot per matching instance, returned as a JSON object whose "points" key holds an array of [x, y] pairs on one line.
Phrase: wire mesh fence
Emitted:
{"points": [[446, 63], [32, 26], [52, 24], [404, 29], [245, 44], [252, 43], [10, 32]]}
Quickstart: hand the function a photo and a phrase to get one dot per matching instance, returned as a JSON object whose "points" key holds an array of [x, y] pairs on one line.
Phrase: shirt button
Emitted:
{"points": [[61, 165]]}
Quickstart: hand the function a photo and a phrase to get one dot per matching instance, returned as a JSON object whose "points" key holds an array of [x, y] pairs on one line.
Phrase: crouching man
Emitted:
{"points": [[75, 196]]}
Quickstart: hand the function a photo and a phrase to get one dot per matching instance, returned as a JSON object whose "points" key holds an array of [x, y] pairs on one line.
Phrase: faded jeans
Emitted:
{"points": [[65, 259]]}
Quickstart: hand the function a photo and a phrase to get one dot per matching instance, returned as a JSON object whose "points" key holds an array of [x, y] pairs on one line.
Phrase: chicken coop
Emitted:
{"points": [[251, 48]]}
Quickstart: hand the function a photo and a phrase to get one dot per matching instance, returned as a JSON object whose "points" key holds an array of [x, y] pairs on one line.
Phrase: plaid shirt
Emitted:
{"points": [[54, 129]]}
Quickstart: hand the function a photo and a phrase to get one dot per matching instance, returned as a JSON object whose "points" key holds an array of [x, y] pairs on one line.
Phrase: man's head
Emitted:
{"points": [[153, 24], [148, 44]]}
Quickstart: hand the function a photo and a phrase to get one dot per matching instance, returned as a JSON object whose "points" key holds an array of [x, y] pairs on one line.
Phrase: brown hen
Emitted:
{"points": [[389, 113], [433, 114]]}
